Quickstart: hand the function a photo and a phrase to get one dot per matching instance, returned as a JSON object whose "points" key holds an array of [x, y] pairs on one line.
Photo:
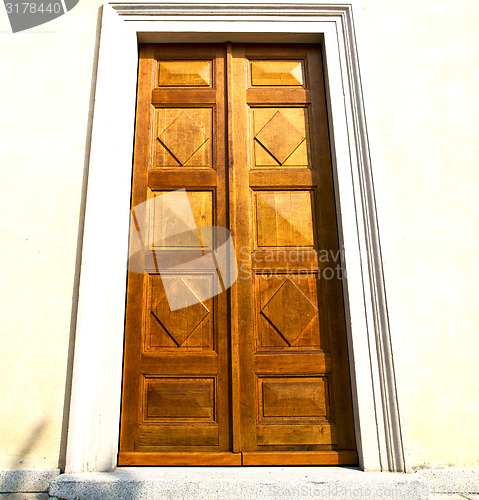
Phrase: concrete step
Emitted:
{"points": [[24, 496], [453, 496], [239, 483]]}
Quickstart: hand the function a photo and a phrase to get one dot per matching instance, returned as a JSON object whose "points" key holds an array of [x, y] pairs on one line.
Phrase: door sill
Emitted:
{"points": [[172, 459], [247, 458], [346, 457]]}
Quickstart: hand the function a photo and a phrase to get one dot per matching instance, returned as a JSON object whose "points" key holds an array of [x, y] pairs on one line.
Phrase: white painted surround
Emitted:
{"points": [[97, 373]]}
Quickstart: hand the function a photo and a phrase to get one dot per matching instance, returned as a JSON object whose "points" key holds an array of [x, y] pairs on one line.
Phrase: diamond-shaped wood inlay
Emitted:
{"points": [[280, 137], [181, 323], [183, 137], [290, 311]]}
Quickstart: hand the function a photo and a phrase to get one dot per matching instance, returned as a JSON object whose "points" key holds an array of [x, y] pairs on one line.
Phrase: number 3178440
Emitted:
{"points": [[33, 8]]}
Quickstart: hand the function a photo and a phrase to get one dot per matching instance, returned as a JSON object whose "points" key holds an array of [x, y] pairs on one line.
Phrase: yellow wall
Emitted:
{"points": [[44, 102], [420, 80]]}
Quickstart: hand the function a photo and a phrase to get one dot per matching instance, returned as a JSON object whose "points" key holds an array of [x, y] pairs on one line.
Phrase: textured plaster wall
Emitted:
{"points": [[46, 75], [421, 79], [420, 75]]}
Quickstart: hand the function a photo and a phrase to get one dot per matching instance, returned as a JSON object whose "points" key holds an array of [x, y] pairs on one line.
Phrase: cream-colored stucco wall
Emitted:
{"points": [[420, 76], [46, 75], [421, 80]]}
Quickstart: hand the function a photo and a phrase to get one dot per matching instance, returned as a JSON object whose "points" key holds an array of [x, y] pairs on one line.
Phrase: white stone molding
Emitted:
{"points": [[96, 387]]}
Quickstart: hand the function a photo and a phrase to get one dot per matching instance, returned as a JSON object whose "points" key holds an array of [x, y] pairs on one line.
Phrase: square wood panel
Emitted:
{"points": [[281, 137], [186, 328], [283, 219], [287, 312], [184, 137], [176, 224]]}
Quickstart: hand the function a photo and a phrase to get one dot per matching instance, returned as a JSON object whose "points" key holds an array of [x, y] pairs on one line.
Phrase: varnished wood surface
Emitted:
{"points": [[276, 72], [185, 73], [206, 459], [294, 372], [349, 457], [257, 375], [176, 393], [161, 179]]}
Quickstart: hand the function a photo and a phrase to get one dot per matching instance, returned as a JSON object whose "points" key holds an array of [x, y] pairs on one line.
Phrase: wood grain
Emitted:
{"points": [[171, 459], [276, 72], [347, 457], [185, 73], [284, 202], [259, 374], [183, 404]]}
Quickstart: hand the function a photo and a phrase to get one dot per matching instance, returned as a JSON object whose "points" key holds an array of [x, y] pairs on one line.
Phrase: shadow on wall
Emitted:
{"points": [[120, 484], [13, 480], [76, 280]]}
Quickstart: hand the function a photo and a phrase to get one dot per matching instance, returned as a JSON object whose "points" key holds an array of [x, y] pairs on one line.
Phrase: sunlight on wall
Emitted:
{"points": [[44, 122], [420, 80]]}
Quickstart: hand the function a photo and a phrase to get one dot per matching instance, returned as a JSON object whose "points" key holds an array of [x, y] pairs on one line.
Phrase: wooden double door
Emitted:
{"points": [[256, 373]]}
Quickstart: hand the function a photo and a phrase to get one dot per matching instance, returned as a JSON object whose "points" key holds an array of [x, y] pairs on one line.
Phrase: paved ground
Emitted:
{"points": [[240, 483], [445, 496], [45, 496], [237, 483]]}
